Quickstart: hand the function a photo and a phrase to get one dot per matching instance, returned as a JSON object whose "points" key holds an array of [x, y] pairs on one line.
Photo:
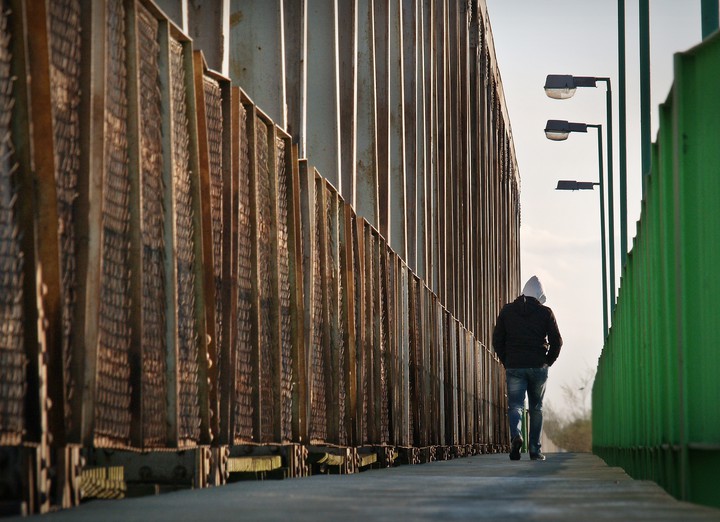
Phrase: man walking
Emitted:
{"points": [[527, 341]]}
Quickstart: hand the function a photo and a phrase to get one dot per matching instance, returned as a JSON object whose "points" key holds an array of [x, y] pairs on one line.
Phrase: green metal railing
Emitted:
{"points": [[656, 394]]}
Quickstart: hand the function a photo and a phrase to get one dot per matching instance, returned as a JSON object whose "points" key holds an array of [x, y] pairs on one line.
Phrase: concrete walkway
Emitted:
{"points": [[576, 487]]}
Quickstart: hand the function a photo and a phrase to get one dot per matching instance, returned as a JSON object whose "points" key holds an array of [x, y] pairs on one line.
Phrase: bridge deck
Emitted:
{"points": [[488, 487]]}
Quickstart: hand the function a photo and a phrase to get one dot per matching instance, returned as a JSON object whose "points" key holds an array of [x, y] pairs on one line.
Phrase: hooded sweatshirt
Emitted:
{"points": [[526, 334]]}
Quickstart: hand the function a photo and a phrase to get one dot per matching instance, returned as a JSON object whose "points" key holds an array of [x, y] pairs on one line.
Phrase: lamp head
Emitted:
{"points": [[559, 130], [560, 86], [563, 86], [575, 185]]}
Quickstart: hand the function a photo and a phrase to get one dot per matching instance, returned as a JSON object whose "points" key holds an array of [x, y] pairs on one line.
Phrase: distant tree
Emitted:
{"points": [[572, 432], [575, 436]]}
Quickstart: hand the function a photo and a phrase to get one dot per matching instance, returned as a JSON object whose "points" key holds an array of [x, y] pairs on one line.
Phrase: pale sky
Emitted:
{"points": [[560, 230]]}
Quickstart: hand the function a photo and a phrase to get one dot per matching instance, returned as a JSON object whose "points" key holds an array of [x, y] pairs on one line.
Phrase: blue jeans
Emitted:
{"points": [[531, 381]]}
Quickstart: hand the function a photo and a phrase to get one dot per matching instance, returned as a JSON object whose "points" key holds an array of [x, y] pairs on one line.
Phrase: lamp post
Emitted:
{"points": [[559, 130], [590, 185], [563, 86]]}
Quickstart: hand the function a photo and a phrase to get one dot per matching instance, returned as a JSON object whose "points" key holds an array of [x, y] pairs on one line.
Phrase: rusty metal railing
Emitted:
{"points": [[179, 284]]}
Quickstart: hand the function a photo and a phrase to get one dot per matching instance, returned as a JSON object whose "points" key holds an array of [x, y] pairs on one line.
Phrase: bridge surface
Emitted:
{"points": [[568, 486]]}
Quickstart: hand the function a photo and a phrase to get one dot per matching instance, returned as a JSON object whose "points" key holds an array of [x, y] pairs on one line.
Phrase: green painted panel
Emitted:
{"points": [[657, 388]]}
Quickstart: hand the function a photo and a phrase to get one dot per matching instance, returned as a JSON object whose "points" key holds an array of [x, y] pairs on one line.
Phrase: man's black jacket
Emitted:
{"points": [[522, 333]]}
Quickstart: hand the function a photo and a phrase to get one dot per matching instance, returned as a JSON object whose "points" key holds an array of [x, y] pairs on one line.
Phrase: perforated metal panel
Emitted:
{"points": [[214, 120], [112, 416], [333, 289], [64, 18], [394, 376], [416, 371], [372, 386], [318, 426], [346, 265], [408, 365], [243, 409], [264, 208], [382, 351], [283, 196], [360, 328], [12, 355], [187, 335], [154, 364]]}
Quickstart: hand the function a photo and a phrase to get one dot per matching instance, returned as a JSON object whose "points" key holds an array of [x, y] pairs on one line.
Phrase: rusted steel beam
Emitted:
{"points": [[361, 425], [206, 223], [423, 344], [46, 215], [307, 216], [416, 390], [204, 311], [298, 267], [404, 400], [391, 322], [135, 205], [230, 380], [27, 466], [170, 267], [349, 268], [331, 300]]}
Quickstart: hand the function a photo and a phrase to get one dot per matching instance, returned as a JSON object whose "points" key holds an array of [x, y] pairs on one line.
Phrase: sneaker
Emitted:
{"points": [[537, 456], [517, 443]]}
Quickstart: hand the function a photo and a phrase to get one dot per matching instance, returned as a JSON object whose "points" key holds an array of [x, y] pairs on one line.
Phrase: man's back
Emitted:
{"points": [[523, 332]]}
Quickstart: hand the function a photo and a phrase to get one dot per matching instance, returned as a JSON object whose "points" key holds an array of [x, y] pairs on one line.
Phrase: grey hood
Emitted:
{"points": [[534, 288]]}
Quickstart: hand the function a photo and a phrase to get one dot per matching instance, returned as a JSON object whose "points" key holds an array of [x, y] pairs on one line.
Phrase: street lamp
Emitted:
{"points": [[564, 184], [553, 130], [559, 130], [563, 86]]}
